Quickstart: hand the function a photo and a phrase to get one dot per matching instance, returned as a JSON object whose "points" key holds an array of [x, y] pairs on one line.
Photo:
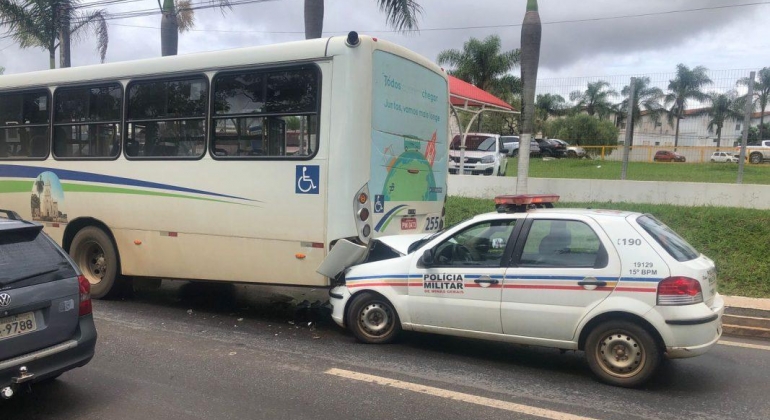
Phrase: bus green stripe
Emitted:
{"points": [[67, 187], [15, 186], [392, 216], [26, 186]]}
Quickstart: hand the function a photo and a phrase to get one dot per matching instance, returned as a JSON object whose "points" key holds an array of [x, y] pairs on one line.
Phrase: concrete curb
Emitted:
{"points": [[746, 317]]}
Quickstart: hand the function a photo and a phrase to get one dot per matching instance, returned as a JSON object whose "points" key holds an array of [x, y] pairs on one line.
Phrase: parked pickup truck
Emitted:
{"points": [[757, 153]]}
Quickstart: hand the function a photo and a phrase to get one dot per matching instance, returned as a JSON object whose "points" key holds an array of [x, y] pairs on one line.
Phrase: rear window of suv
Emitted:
{"points": [[667, 238], [28, 257]]}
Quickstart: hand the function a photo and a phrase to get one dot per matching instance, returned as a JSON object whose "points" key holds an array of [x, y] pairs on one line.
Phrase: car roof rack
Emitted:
{"points": [[520, 203]]}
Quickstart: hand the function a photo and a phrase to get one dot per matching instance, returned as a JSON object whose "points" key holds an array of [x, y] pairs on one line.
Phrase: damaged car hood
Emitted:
{"points": [[400, 243]]}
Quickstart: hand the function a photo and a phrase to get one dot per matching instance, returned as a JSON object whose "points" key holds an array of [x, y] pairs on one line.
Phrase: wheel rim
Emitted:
{"points": [[621, 355], [376, 320], [92, 261]]}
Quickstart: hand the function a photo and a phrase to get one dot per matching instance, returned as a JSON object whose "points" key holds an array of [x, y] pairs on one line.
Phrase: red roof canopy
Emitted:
{"points": [[461, 92]]}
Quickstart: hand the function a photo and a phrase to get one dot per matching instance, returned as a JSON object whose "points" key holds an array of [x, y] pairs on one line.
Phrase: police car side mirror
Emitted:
{"points": [[427, 258]]}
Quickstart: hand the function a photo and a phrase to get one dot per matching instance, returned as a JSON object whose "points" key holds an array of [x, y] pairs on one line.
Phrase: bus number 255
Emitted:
{"points": [[432, 223]]}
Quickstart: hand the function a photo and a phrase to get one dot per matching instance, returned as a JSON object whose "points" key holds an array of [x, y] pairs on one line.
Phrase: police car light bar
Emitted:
{"points": [[522, 202]]}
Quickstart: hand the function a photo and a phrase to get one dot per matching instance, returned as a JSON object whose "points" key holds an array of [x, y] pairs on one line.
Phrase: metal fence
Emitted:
{"points": [[705, 126]]}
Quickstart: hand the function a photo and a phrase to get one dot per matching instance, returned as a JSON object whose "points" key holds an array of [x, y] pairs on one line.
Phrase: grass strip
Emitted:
{"points": [[726, 173]]}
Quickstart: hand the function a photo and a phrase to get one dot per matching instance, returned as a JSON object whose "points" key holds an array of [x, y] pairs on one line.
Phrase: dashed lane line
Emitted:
{"points": [[744, 345], [456, 396]]}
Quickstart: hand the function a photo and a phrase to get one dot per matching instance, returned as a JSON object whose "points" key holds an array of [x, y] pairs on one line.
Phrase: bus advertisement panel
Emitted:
{"points": [[409, 145]]}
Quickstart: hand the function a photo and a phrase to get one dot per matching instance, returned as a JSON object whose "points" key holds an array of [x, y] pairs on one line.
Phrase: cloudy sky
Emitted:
{"points": [[580, 38]]}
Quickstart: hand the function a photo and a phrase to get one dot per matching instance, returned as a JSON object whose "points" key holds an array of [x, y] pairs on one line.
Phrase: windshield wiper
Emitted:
{"points": [[6, 280]]}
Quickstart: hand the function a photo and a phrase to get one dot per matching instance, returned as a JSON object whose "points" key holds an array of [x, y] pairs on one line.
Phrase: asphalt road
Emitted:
{"points": [[190, 351]]}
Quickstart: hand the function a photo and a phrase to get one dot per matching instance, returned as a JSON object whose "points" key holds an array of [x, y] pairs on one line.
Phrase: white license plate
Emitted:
{"points": [[11, 326]]}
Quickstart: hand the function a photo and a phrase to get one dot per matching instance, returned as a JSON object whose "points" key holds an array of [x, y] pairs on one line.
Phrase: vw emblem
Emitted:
{"points": [[5, 299]]}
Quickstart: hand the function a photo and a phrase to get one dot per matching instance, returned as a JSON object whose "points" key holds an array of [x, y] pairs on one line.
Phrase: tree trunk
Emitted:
{"points": [[531, 33], [52, 38], [314, 18], [630, 126], [169, 29], [761, 124], [65, 37], [676, 136], [719, 137]]}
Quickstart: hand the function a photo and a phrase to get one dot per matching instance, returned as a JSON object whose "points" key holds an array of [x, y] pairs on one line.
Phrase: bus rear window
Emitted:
{"points": [[667, 238]]}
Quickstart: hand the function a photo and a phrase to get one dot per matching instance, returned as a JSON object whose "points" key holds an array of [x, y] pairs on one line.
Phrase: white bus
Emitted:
{"points": [[245, 165]]}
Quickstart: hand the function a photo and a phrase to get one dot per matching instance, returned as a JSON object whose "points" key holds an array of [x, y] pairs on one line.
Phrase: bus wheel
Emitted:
{"points": [[622, 353], [372, 319], [95, 254]]}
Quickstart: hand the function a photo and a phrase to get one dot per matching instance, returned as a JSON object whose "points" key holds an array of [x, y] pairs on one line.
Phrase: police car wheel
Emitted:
{"points": [[622, 353], [372, 319]]}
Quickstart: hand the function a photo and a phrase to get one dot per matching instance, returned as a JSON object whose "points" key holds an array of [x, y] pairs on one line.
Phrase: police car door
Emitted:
{"points": [[461, 288], [562, 267]]}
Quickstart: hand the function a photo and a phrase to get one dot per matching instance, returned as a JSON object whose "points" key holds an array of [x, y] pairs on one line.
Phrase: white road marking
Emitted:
{"points": [[457, 396], [744, 345]]}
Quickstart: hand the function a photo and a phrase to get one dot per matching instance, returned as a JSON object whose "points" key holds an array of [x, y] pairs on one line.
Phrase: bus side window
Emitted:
{"points": [[266, 113], [24, 124], [166, 118], [87, 121]]}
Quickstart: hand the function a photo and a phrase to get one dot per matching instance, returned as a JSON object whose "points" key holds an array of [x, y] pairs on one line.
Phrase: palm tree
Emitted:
{"points": [[41, 23], [646, 99], [481, 63], [595, 99], [178, 16], [761, 94], [724, 107], [686, 86], [531, 34], [401, 15], [547, 105]]}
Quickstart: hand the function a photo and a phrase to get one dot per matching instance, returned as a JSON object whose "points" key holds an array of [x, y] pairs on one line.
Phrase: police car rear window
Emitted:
{"points": [[667, 238]]}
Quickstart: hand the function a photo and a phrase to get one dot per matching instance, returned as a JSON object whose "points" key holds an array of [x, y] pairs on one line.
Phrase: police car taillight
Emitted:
{"points": [[679, 291], [521, 202]]}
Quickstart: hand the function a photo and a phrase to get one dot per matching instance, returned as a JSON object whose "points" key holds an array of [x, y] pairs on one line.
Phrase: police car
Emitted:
{"points": [[620, 286]]}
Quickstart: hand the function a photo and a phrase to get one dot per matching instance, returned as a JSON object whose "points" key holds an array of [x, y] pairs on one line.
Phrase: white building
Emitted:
{"points": [[693, 130]]}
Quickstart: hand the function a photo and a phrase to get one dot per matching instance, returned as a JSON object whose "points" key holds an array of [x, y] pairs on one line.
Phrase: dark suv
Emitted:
{"points": [[550, 148], [46, 325]]}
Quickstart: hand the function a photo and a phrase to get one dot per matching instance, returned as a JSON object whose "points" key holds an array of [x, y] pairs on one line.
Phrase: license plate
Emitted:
{"points": [[408, 223], [12, 326]]}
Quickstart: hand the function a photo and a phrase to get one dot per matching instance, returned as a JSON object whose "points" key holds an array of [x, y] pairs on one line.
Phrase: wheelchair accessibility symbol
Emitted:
{"points": [[379, 203], [306, 179]]}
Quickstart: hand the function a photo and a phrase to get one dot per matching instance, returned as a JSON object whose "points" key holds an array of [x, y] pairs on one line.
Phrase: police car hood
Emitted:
{"points": [[401, 243]]}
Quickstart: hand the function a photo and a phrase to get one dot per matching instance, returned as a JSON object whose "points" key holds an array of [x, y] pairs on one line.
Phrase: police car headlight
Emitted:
{"points": [[488, 159]]}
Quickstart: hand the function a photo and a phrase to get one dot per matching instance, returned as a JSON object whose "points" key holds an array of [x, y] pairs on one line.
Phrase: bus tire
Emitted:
{"points": [[372, 319], [622, 353], [93, 251]]}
